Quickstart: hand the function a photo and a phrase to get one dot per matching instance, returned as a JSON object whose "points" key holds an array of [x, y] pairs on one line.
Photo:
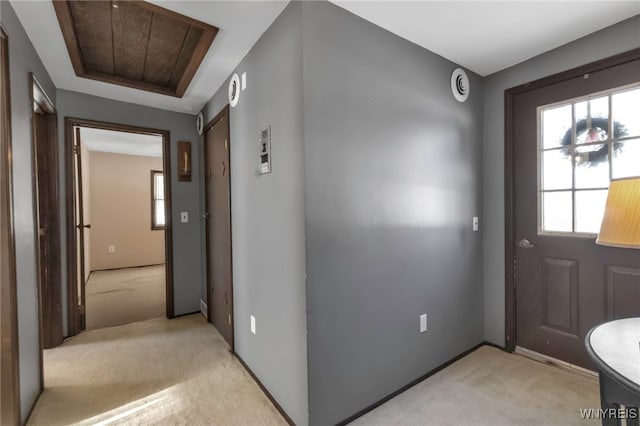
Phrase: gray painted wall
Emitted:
{"points": [[392, 181], [24, 59], [267, 214], [607, 42], [187, 257]]}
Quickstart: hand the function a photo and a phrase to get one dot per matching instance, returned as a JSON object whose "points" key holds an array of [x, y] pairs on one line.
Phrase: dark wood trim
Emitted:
{"points": [[70, 123], [154, 227], [509, 173], [415, 382], [126, 267], [265, 390], [209, 32], [226, 110], [69, 34], [9, 356], [509, 223]]}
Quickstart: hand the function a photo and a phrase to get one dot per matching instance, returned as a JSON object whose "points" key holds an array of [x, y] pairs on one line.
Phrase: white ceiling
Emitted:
{"points": [[488, 36], [241, 24], [483, 36], [121, 142]]}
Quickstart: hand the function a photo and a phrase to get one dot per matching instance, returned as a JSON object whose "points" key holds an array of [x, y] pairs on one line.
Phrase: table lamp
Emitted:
{"points": [[621, 221]]}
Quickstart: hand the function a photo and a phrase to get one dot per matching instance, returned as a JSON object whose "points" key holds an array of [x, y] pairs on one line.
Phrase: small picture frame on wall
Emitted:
{"points": [[184, 161]]}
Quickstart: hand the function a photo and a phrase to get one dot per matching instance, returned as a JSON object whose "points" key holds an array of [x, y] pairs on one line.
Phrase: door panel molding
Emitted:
{"points": [[74, 318], [623, 290], [560, 317], [509, 178]]}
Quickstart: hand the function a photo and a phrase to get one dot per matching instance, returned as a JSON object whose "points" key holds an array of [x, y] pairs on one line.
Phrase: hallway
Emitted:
{"points": [[122, 296], [155, 371]]}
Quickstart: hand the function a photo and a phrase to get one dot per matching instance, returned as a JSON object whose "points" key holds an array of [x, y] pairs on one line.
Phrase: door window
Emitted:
{"points": [[582, 145]]}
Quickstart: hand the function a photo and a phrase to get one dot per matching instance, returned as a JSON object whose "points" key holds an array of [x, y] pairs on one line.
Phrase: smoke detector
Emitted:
{"points": [[460, 85]]}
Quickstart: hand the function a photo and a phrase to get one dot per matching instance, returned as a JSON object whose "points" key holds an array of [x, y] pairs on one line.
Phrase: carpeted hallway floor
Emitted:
{"points": [[180, 372], [172, 372], [490, 387], [121, 296]]}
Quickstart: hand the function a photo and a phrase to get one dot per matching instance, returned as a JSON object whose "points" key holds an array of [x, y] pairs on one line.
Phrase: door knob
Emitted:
{"points": [[524, 243]]}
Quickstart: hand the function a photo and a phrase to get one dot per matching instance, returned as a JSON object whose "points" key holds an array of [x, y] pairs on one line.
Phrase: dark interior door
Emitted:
{"points": [[218, 193], [570, 139], [46, 161]]}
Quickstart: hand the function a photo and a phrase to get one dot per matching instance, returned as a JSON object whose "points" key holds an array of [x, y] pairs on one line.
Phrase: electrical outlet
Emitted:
{"points": [[253, 324], [111, 249], [184, 217], [423, 323], [476, 225]]}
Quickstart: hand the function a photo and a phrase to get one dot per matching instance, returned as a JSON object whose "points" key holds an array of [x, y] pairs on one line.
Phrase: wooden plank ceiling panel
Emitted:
{"points": [[191, 41], [165, 43], [131, 27], [133, 43], [92, 21]]}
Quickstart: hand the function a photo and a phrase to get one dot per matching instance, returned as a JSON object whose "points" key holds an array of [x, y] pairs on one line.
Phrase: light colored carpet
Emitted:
{"points": [[493, 388], [173, 372], [125, 295]]}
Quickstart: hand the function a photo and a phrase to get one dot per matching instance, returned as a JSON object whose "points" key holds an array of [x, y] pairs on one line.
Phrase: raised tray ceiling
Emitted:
{"points": [[134, 43]]}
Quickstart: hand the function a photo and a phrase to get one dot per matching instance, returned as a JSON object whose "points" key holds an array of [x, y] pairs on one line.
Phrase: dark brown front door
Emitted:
{"points": [[46, 172], [569, 139], [218, 194]]}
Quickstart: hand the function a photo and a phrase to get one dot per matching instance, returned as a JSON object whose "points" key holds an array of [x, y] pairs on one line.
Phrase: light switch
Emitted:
{"points": [[184, 217], [253, 324], [111, 249], [476, 226], [423, 323]]}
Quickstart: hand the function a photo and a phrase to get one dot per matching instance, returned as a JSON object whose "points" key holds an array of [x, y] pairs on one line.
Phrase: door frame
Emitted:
{"points": [[509, 175], [9, 369], [51, 332], [70, 198], [226, 110]]}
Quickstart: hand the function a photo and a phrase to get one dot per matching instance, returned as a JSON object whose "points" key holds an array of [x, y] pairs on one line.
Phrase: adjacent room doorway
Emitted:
{"points": [[217, 145], [120, 262], [567, 136]]}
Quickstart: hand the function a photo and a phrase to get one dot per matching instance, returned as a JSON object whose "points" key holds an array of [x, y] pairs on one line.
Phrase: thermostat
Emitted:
{"points": [[265, 150]]}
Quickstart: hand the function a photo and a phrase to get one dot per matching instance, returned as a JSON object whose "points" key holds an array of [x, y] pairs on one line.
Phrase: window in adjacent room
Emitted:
{"points": [[157, 199]]}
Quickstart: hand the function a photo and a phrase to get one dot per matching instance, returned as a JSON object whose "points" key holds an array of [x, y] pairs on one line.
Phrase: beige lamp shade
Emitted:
{"points": [[621, 221]]}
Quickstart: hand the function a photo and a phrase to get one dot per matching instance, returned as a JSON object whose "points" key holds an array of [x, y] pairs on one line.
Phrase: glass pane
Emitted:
{"points": [[598, 129], [556, 170], [556, 126], [625, 108], [159, 187], [557, 211], [626, 158], [592, 166], [589, 210], [159, 213]]}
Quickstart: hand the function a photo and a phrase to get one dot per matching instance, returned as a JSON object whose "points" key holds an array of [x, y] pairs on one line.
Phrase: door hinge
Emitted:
{"points": [[76, 149], [515, 271], [225, 145], [229, 319]]}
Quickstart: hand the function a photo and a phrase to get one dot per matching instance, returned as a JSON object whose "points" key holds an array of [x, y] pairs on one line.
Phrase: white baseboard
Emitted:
{"points": [[203, 308]]}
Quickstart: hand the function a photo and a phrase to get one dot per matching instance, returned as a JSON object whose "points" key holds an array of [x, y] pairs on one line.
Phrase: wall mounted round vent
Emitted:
{"points": [[200, 123], [234, 90], [460, 85]]}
